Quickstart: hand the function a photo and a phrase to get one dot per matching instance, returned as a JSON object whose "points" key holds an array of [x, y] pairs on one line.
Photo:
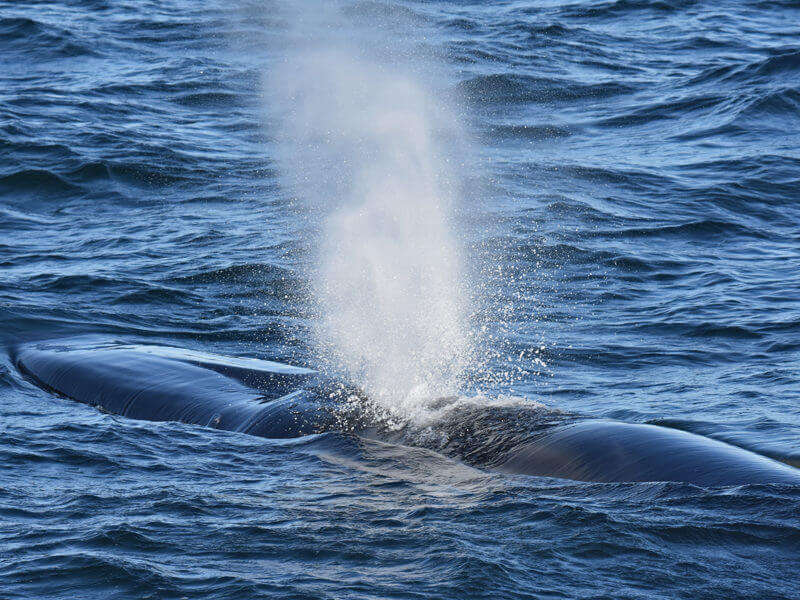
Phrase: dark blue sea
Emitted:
{"points": [[632, 212]]}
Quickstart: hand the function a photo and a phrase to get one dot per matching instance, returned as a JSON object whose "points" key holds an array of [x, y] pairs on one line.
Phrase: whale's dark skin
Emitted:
{"points": [[609, 451], [154, 383], [279, 401]]}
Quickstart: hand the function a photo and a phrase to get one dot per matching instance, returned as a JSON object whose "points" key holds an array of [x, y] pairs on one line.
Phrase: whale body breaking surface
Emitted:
{"points": [[274, 400]]}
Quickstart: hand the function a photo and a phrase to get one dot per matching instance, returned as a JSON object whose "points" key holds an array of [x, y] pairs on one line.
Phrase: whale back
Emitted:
{"points": [[163, 384], [611, 451]]}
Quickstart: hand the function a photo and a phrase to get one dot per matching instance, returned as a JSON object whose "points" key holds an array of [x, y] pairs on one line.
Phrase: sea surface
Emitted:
{"points": [[637, 205]]}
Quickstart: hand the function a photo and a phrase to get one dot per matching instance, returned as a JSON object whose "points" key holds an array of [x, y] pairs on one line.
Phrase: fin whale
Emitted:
{"points": [[274, 400]]}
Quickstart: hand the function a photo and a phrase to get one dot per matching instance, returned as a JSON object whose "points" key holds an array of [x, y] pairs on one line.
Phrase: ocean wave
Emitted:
{"points": [[242, 273], [703, 228], [507, 88], [42, 39], [37, 181], [616, 8], [673, 109], [529, 132]]}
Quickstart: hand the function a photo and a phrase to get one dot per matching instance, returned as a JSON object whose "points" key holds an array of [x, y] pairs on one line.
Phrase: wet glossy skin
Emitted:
{"points": [[157, 384], [169, 384], [609, 451]]}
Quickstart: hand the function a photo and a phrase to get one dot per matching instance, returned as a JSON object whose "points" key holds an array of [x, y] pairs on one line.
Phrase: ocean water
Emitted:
{"points": [[628, 216]]}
